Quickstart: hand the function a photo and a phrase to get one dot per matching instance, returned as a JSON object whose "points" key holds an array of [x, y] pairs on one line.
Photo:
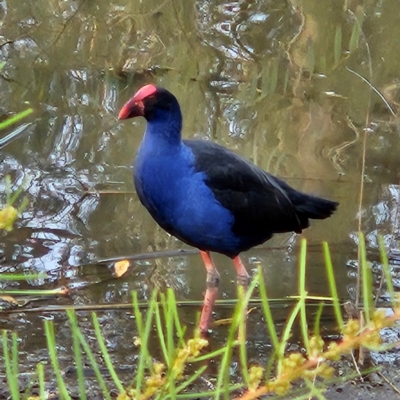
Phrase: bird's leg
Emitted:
{"points": [[242, 276], [211, 292], [243, 280]]}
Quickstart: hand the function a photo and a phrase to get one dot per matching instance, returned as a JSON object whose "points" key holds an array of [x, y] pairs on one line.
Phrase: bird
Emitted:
{"points": [[208, 196]]}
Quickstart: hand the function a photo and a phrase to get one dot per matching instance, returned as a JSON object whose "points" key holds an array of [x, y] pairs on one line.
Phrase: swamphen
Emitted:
{"points": [[208, 196]]}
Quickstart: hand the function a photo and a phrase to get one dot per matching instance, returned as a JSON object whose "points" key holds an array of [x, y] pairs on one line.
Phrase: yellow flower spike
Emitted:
{"points": [[326, 371], [379, 319], [180, 361], [282, 388], [309, 374], [333, 352], [372, 340], [154, 381], [351, 329], [158, 368], [316, 346], [295, 360], [255, 375], [8, 215], [191, 350], [196, 345], [130, 394], [153, 384], [287, 364]]}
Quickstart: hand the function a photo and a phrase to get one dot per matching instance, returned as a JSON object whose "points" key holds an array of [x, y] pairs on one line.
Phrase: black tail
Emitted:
{"points": [[314, 207], [307, 206]]}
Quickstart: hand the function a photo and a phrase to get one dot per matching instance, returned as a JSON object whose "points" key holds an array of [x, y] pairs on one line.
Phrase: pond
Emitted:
{"points": [[309, 91]]}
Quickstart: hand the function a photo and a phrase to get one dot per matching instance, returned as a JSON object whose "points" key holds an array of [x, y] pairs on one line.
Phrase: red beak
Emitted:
{"points": [[131, 109], [135, 107]]}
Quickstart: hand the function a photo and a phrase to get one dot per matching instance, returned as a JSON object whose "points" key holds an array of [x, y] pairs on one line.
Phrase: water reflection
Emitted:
{"points": [[255, 76]]}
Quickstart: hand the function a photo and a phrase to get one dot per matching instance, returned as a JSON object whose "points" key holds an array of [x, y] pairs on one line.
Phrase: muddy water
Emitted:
{"points": [[271, 80]]}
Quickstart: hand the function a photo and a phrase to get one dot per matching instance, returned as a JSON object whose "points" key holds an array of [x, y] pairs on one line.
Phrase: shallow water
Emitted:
{"points": [[271, 80]]}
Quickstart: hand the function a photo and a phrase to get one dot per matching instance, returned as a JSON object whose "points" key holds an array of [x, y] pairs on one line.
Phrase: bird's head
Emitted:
{"points": [[150, 102]]}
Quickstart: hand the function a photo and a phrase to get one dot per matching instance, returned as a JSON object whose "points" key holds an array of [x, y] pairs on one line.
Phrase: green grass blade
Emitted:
{"points": [[22, 277], [12, 379], [242, 322], [288, 328], [315, 393], [137, 313], [303, 295], [104, 352], [242, 335], [200, 395], [273, 81], [180, 331], [94, 364], [32, 292], [332, 284], [357, 29], [167, 302], [41, 381], [317, 321], [77, 353], [161, 336], [14, 353], [14, 356], [144, 335], [15, 118], [338, 44], [267, 310], [169, 326], [222, 383], [191, 379], [209, 356], [286, 335], [386, 271], [265, 304], [52, 346], [170, 347]]}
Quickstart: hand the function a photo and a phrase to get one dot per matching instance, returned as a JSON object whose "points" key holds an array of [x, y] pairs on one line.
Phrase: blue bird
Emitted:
{"points": [[208, 196]]}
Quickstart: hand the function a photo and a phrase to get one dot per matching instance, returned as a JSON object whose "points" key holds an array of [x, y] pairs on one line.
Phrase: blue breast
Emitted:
{"points": [[178, 198]]}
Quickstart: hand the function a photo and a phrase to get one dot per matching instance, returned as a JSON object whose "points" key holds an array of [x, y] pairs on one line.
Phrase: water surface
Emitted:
{"points": [[270, 80]]}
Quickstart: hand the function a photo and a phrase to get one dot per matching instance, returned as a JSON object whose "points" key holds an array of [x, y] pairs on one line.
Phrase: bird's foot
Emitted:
{"points": [[244, 281]]}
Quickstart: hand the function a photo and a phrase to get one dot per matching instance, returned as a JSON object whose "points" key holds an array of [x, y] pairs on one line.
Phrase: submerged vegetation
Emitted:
{"points": [[8, 212]]}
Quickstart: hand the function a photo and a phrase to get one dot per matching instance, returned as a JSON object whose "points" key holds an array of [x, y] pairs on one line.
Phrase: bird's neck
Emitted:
{"points": [[164, 131]]}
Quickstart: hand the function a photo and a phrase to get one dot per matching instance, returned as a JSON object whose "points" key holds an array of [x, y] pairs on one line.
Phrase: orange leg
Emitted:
{"points": [[211, 292], [243, 279]]}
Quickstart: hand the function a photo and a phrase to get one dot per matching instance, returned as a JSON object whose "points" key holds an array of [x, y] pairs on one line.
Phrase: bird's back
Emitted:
{"points": [[260, 203]]}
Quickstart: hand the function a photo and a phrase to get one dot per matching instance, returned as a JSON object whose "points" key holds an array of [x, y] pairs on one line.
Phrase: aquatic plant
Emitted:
{"points": [[183, 360]]}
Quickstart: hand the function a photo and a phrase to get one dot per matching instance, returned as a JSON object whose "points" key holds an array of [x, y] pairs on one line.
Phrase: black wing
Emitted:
{"points": [[257, 200]]}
